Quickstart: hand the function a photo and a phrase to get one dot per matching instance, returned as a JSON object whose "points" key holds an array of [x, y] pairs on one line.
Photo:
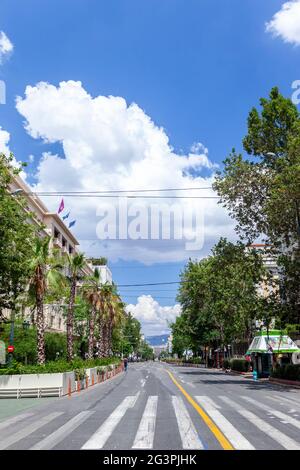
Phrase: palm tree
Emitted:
{"points": [[103, 320], [116, 310], [111, 314], [92, 292], [75, 265], [46, 271]]}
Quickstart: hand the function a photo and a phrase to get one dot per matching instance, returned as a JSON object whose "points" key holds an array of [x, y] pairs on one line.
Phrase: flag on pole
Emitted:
{"points": [[61, 206], [72, 223], [66, 216]]}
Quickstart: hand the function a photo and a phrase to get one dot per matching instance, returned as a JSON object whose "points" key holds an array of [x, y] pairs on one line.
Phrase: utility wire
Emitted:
{"points": [[108, 191], [128, 196], [152, 284]]}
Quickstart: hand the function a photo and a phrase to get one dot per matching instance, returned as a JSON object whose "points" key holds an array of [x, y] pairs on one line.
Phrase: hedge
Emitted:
{"points": [[287, 372], [78, 365], [240, 365]]}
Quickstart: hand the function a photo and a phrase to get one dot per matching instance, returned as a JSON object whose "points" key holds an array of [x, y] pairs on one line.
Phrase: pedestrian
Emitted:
{"points": [[125, 363]]}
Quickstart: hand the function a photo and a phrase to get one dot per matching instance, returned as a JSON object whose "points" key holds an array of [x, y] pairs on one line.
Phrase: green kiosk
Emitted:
{"points": [[269, 348]]}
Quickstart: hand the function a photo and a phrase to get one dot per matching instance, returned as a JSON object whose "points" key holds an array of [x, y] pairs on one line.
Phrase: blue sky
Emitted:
{"points": [[195, 67]]}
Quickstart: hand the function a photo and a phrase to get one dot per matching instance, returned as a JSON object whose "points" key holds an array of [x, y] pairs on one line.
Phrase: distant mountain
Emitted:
{"points": [[157, 340]]}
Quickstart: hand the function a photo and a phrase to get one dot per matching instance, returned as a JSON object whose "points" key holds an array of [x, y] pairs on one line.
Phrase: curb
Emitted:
{"points": [[286, 383]]}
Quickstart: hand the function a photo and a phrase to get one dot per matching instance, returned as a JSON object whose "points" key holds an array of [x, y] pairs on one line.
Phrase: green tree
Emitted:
{"points": [[219, 297], [262, 192], [181, 333], [16, 239]]}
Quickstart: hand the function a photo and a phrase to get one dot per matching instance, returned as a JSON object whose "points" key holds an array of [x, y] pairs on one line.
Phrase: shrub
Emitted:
{"points": [[57, 366], [287, 372], [80, 374], [240, 365], [226, 364]]}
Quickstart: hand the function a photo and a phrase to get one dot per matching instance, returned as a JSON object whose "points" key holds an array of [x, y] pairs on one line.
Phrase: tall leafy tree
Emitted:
{"points": [[262, 192], [219, 297], [16, 239]]}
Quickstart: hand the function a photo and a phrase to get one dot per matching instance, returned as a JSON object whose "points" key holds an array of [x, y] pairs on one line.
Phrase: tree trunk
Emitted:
{"points": [[104, 342], [91, 333], [40, 327], [70, 321]]}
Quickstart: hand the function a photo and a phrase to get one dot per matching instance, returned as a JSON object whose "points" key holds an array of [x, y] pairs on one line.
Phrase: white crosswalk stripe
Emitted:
{"points": [[278, 436], [61, 433], [233, 435], [188, 433], [99, 438], [145, 435], [8, 422], [284, 400], [28, 429], [284, 417]]}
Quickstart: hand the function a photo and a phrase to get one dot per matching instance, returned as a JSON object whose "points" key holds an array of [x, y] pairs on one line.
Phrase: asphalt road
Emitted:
{"points": [[156, 406]]}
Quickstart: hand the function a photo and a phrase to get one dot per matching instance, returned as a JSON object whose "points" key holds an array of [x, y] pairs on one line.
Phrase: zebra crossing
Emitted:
{"points": [[243, 423]]}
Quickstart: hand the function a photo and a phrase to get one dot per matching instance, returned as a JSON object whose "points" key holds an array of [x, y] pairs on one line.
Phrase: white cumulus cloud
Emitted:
{"points": [[4, 140], [155, 319], [286, 22], [6, 46], [111, 145]]}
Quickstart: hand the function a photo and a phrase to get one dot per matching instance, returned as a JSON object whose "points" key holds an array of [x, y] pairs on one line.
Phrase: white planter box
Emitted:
{"points": [[37, 384]]}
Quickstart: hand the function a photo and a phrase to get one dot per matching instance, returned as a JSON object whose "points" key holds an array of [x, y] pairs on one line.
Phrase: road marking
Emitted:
{"points": [[187, 431], [145, 435], [263, 426], [30, 428], [14, 419], [284, 400], [282, 416], [210, 424], [55, 437], [233, 435], [100, 437]]}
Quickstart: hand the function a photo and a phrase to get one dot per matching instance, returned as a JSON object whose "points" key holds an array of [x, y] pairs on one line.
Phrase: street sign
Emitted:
{"points": [[2, 353], [10, 349]]}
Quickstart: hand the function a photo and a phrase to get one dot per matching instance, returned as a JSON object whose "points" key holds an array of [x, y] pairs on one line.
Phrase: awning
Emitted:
{"points": [[272, 344]]}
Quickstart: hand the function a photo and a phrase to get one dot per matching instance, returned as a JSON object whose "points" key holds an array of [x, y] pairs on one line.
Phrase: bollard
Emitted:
{"points": [[78, 386], [93, 380]]}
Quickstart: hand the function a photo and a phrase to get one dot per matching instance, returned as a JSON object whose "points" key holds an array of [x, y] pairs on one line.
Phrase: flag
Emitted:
{"points": [[72, 223], [61, 206], [66, 216]]}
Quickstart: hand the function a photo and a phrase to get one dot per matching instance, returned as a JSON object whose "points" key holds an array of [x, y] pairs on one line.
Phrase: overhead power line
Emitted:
{"points": [[151, 284], [109, 191], [128, 196]]}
